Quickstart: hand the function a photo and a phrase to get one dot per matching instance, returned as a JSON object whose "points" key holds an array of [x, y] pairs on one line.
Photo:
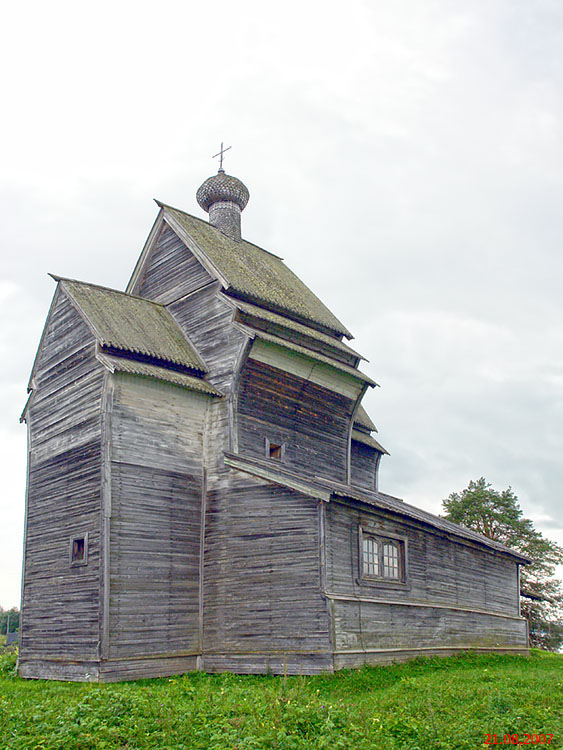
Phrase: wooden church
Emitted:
{"points": [[203, 482]]}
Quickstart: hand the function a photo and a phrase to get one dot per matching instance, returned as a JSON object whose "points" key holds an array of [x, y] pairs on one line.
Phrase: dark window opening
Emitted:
{"points": [[79, 550], [275, 451]]}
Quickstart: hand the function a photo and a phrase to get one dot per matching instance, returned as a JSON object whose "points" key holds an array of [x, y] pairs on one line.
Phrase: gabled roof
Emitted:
{"points": [[256, 274], [123, 322]]}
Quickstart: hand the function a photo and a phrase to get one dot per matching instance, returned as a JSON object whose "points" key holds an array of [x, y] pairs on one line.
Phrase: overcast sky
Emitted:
{"points": [[405, 158]]}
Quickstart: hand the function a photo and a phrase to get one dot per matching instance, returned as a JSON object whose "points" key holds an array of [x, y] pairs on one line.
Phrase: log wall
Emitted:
{"points": [[311, 421], [454, 595], [156, 493], [263, 604], [60, 602]]}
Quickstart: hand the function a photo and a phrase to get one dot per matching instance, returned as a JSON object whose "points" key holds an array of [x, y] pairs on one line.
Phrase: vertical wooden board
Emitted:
{"points": [[261, 573], [157, 447], [172, 270], [206, 319], [310, 420], [363, 465]]}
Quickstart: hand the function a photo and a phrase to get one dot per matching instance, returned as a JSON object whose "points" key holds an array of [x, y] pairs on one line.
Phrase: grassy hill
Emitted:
{"points": [[429, 703]]}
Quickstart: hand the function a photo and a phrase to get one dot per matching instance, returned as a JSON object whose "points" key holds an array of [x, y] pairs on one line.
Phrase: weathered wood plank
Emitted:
{"points": [[463, 583], [157, 474], [172, 270], [60, 601], [363, 465], [311, 421], [262, 575]]}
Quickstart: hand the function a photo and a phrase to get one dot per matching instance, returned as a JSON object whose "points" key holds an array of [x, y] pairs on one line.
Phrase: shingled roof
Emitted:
{"points": [[256, 274], [352, 371], [133, 324], [293, 326], [363, 437], [363, 419], [154, 372]]}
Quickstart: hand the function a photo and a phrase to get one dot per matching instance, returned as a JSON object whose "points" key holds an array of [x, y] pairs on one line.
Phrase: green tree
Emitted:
{"points": [[13, 615], [498, 516]]}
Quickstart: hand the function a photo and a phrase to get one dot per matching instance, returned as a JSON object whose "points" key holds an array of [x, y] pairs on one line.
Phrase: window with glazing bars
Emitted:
{"points": [[371, 556], [390, 560], [382, 558]]}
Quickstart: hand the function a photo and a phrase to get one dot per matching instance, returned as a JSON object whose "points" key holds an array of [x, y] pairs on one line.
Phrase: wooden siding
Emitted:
{"points": [[156, 490], [297, 337], [263, 605], [206, 319], [363, 465], [306, 364], [60, 602], [65, 407], [172, 270], [310, 420], [401, 634], [464, 596]]}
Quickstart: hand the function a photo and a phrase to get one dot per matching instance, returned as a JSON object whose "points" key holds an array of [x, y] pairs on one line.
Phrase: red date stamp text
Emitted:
{"points": [[518, 739]]}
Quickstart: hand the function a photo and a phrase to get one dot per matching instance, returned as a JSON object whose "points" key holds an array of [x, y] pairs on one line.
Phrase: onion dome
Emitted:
{"points": [[222, 188], [224, 197]]}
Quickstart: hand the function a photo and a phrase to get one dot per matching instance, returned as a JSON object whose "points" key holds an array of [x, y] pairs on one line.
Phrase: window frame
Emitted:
{"points": [[399, 542], [74, 538]]}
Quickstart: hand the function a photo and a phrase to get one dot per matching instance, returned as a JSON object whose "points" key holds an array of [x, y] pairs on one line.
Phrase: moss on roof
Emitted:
{"points": [[120, 364], [133, 324], [292, 325], [257, 274]]}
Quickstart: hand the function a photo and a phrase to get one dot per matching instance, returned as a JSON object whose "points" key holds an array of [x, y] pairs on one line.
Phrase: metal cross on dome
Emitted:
{"points": [[220, 155]]}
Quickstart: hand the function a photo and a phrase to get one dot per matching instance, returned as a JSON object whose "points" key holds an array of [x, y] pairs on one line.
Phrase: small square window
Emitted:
{"points": [[275, 451], [79, 550]]}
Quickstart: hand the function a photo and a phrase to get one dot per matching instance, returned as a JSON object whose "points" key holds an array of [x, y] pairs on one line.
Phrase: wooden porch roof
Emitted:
{"points": [[123, 322]]}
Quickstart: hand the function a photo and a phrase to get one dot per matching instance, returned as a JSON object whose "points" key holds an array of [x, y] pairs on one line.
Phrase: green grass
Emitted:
{"points": [[428, 703]]}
